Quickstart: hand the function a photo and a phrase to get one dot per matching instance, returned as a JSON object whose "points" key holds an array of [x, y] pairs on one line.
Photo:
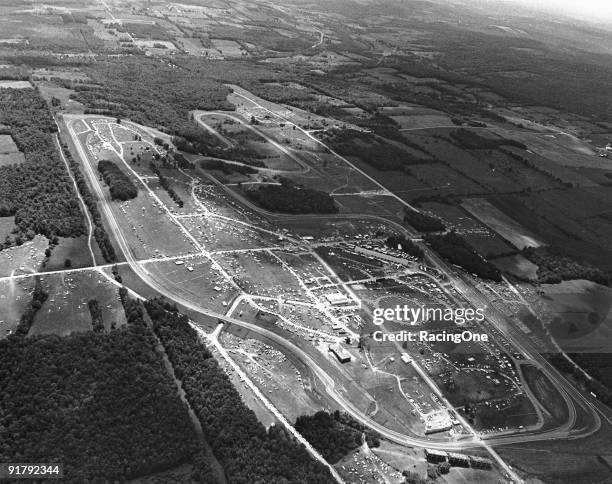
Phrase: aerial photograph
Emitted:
{"points": [[306, 241]]}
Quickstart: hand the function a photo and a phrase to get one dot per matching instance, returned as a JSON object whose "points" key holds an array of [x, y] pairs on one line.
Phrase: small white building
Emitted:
{"points": [[337, 298]]}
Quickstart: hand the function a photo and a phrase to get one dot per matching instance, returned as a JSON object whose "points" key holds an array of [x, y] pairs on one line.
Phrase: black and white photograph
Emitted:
{"points": [[306, 241]]}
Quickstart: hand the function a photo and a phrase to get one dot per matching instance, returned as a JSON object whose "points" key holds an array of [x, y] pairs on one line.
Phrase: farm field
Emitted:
{"points": [[581, 315], [518, 266], [500, 223]]}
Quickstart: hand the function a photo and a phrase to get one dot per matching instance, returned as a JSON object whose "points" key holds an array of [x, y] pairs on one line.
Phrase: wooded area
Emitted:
{"points": [[334, 435], [398, 242], [38, 192], [423, 222], [100, 403], [457, 251], [376, 152], [119, 184], [137, 88], [248, 452], [291, 199], [554, 267]]}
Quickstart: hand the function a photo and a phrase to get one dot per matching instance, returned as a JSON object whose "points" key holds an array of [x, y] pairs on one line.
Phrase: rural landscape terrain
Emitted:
{"points": [[352, 241]]}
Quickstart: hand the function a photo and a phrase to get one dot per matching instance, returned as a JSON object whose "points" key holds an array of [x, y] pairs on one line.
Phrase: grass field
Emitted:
{"points": [[66, 309], [9, 153], [274, 375], [546, 393], [366, 467], [7, 224], [202, 284], [518, 411], [149, 230], [15, 85], [24, 258], [517, 266], [582, 315], [508, 228], [75, 250], [14, 299], [558, 462], [261, 274], [217, 234]]}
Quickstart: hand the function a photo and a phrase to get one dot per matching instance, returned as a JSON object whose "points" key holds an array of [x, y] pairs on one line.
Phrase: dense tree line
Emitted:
{"points": [[100, 234], [291, 199], [38, 192], [165, 184], [470, 140], [120, 185], [405, 245], [247, 451], [457, 251], [554, 267], [39, 296], [380, 154], [96, 315], [227, 168], [100, 403], [334, 435], [423, 222], [182, 162], [131, 307]]}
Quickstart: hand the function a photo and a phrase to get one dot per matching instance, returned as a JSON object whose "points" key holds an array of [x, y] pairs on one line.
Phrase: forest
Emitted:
{"points": [[554, 267], [288, 198], [119, 184], [38, 192], [136, 88], [457, 251], [379, 154], [247, 451], [334, 435], [407, 246], [423, 222], [100, 403]]}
